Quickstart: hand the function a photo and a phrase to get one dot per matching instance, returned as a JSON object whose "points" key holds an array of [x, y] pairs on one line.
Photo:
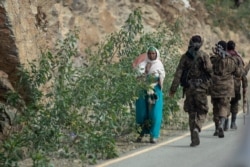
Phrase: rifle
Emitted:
{"points": [[220, 51]]}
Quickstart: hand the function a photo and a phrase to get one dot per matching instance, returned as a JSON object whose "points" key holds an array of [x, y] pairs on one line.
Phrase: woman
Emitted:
{"points": [[149, 105]]}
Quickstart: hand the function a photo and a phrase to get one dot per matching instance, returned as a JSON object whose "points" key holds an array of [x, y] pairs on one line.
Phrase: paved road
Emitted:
{"points": [[212, 152]]}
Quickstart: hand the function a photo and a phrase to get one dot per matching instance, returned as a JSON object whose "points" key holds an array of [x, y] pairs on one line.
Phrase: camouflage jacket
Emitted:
{"points": [[238, 81], [225, 69], [198, 68]]}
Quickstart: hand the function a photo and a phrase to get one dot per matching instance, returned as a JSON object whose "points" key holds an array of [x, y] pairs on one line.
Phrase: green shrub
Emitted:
{"points": [[78, 112]]}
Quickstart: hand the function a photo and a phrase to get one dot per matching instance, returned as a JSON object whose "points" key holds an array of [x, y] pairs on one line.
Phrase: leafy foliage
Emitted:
{"points": [[78, 112]]}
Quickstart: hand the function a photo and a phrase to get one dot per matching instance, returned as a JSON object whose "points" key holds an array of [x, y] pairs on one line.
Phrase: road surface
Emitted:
{"points": [[176, 152]]}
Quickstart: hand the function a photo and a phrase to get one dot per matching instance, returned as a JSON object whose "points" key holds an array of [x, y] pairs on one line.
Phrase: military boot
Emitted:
{"points": [[221, 127], [233, 120], [216, 132], [195, 138], [226, 125]]}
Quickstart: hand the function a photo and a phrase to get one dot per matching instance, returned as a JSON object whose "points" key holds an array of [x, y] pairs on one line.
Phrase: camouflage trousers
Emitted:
{"points": [[196, 104], [234, 104], [221, 108]]}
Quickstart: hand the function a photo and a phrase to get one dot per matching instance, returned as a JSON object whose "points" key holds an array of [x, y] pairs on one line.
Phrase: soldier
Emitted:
{"points": [[244, 92], [193, 73], [234, 103], [222, 90]]}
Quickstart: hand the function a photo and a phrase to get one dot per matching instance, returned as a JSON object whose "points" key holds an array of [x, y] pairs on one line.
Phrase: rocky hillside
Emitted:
{"points": [[29, 26]]}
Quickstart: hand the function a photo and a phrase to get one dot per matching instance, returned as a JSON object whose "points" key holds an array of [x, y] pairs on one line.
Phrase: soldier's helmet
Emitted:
{"points": [[195, 42], [230, 45]]}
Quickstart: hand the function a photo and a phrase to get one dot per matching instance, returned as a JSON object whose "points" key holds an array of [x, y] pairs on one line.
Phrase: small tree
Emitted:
{"points": [[83, 110]]}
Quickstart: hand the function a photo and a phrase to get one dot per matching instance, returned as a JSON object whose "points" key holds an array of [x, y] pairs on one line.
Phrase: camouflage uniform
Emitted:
{"points": [[234, 103], [222, 90], [244, 78], [196, 105]]}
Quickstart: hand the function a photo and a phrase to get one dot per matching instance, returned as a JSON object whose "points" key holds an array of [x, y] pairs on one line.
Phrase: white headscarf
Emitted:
{"points": [[157, 68]]}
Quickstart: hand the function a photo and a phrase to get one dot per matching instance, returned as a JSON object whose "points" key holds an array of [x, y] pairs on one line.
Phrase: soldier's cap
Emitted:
{"points": [[230, 45], [195, 41], [196, 38]]}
